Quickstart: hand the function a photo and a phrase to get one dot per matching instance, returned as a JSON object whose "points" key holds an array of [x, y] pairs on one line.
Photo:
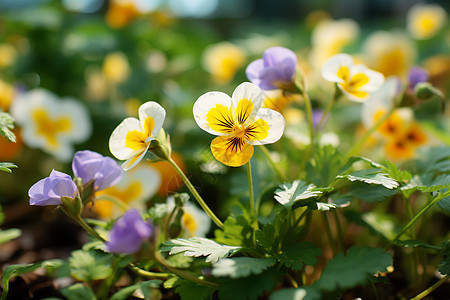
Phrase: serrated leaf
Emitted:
{"points": [[371, 176], [127, 291], [288, 193], [426, 183], [354, 268], [324, 206], [9, 234], [247, 288], [303, 293], [192, 291], [444, 265], [78, 292], [371, 193], [90, 265], [7, 166], [266, 237], [296, 255], [241, 266], [197, 246], [396, 173], [236, 232], [6, 124]]}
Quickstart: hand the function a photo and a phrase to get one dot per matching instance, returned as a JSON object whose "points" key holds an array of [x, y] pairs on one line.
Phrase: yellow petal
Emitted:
{"points": [[231, 151], [244, 110], [220, 119], [258, 130]]}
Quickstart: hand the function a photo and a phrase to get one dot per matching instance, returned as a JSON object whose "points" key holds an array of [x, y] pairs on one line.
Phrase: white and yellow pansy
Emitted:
{"points": [[425, 20], [134, 189], [50, 123], [239, 121], [194, 220], [131, 139], [355, 81]]}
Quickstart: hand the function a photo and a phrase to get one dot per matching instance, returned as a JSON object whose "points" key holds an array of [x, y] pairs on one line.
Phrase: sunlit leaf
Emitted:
{"points": [[197, 246], [90, 265], [241, 266], [127, 291], [396, 173], [288, 193], [78, 292], [6, 124], [9, 234], [371, 176], [6, 166]]}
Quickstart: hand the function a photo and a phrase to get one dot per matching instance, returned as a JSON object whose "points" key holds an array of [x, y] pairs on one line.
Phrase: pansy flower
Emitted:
{"points": [[425, 20], [275, 70], [239, 122], [223, 60], [48, 191], [355, 81], [131, 139], [50, 123]]}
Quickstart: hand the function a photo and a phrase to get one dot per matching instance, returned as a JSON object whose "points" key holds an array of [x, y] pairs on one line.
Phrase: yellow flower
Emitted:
{"points": [[355, 81], [390, 53], [120, 13], [131, 139], [135, 187], [425, 20], [115, 67], [50, 123], [194, 220], [239, 122], [223, 60], [329, 37], [277, 100], [6, 95], [8, 55]]}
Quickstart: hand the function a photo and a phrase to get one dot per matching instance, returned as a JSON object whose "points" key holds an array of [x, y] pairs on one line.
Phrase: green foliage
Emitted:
{"points": [[192, 291], [427, 183], [396, 173], [296, 255], [239, 267], [237, 232], [197, 246], [78, 292], [444, 265], [127, 291], [303, 293], [371, 193], [90, 265], [288, 193], [324, 166], [12, 271], [267, 237], [9, 234], [353, 269], [247, 288], [416, 243], [372, 176], [6, 124], [6, 167]]}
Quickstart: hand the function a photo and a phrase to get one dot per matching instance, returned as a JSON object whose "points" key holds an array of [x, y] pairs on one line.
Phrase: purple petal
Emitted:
{"points": [[417, 75], [86, 165], [48, 191], [110, 174], [253, 70]]}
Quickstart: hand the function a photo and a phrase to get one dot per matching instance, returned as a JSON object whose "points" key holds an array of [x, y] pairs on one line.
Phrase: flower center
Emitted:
{"points": [[50, 128], [137, 139], [239, 131]]}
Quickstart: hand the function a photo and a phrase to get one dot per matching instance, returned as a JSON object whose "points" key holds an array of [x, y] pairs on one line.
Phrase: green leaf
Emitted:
{"points": [[247, 288], [6, 124], [444, 204], [416, 243], [127, 291], [192, 291], [266, 237], [288, 193], [296, 255], [241, 266], [371, 193], [444, 265], [90, 265], [197, 246], [353, 269], [12, 271], [9, 234], [371, 176], [237, 232], [426, 183], [324, 166], [6, 166], [78, 292], [396, 173], [303, 293], [378, 224]]}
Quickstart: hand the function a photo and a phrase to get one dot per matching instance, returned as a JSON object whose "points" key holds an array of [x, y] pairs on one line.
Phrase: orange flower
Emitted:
{"points": [[170, 180], [120, 14]]}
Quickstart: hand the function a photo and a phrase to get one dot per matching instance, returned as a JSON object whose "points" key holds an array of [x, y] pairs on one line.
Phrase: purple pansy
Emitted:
{"points": [[89, 165], [417, 75], [48, 191], [128, 233], [275, 70]]}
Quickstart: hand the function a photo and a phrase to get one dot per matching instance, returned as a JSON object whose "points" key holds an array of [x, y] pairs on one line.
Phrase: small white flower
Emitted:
{"points": [[50, 123], [131, 139], [355, 81], [194, 220], [425, 20]]}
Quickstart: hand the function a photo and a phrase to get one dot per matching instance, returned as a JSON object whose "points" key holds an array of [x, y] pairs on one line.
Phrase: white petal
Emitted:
{"points": [[79, 116], [117, 139], [204, 104], [376, 79], [250, 91], [154, 110], [134, 160], [332, 65], [276, 123]]}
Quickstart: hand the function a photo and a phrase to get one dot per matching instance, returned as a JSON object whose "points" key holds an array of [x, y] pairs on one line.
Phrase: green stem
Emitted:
{"points": [[89, 229], [431, 288], [328, 231], [334, 96], [417, 217], [196, 195], [182, 273], [252, 200], [308, 107], [413, 235], [339, 230], [148, 274], [122, 205], [358, 145], [272, 163]]}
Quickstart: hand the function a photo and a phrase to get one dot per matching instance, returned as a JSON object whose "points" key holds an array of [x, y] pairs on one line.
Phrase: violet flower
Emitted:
{"points": [[417, 75], [48, 191], [89, 165], [275, 70], [128, 233]]}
